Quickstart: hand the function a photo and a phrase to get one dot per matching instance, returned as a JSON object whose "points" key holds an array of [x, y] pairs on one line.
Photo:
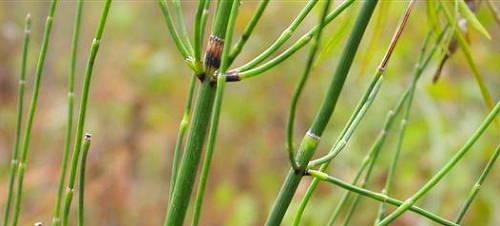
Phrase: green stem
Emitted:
{"points": [[81, 185], [249, 70], [285, 35], [475, 189], [377, 196], [376, 147], [83, 110], [221, 81], [248, 30], [32, 110], [201, 117], [186, 54], [69, 126], [19, 121], [445, 170], [311, 139], [198, 27], [180, 137], [182, 26], [300, 87]]}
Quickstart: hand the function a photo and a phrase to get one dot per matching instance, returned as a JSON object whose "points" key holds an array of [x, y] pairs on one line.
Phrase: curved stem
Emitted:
{"points": [[182, 26], [83, 111], [250, 70], [32, 110], [300, 86], [287, 33], [19, 120], [69, 126], [311, 139], [445, 170], [377, 196]]}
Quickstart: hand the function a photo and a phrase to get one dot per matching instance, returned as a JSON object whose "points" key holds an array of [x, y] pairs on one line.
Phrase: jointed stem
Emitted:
{"points": [[180, 137], [248, 31], [477, 186], [19, 121], [377, 196], [287, 33], [249, 70], [447, 168], [201, 118], [83, 110], [69, 126], [81, 185], [300, 86], [32, 110], [311, 139], [221, 80]]}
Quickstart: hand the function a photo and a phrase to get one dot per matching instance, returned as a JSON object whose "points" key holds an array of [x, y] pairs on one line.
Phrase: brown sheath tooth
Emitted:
{"points": [[233, 76], [213, 55]]}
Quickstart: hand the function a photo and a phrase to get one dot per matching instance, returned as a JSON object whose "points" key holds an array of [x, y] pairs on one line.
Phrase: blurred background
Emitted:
{"points": [[139, 91]]}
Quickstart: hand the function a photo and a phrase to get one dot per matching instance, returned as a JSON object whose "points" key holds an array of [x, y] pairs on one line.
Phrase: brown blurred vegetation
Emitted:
{"points": [[139, 91]]}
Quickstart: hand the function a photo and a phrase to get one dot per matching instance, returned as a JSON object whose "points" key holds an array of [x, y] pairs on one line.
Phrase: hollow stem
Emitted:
{"points": [[81, 185], [32, 111], [221, 80], [83, 111], [69, 126], [19, 120], [201, 117], [311, 139]]}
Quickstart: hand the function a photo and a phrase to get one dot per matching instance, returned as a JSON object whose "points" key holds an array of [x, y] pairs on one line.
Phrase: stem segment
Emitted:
{"points": [[311, 139], [19, 121], [69, 127], [83, 110], [32, 110]]}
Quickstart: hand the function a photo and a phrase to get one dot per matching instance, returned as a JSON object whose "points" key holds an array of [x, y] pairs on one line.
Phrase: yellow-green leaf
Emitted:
{"points": [[471, 18]]}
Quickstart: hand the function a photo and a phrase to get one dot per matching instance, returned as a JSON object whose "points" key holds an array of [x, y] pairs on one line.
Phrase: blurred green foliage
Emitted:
{"points": [[138, 96]]}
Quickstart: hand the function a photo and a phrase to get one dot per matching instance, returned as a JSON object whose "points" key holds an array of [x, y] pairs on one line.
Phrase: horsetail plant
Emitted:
{"points": [[221, 80], [201, 117], [19, 120], [32, 111], [83, 110], [69, 123], [356, 117], [81, 176], [311, 138]]}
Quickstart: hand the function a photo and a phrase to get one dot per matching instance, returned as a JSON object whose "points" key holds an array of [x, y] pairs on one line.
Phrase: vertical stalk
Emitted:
{"points": [[311, 139], [198, 27], [182, 25], [32, 110], [201, 117], [221, 81], [81, 185], [83, 110], [300, 86], [19, 120], [69, 126]]}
